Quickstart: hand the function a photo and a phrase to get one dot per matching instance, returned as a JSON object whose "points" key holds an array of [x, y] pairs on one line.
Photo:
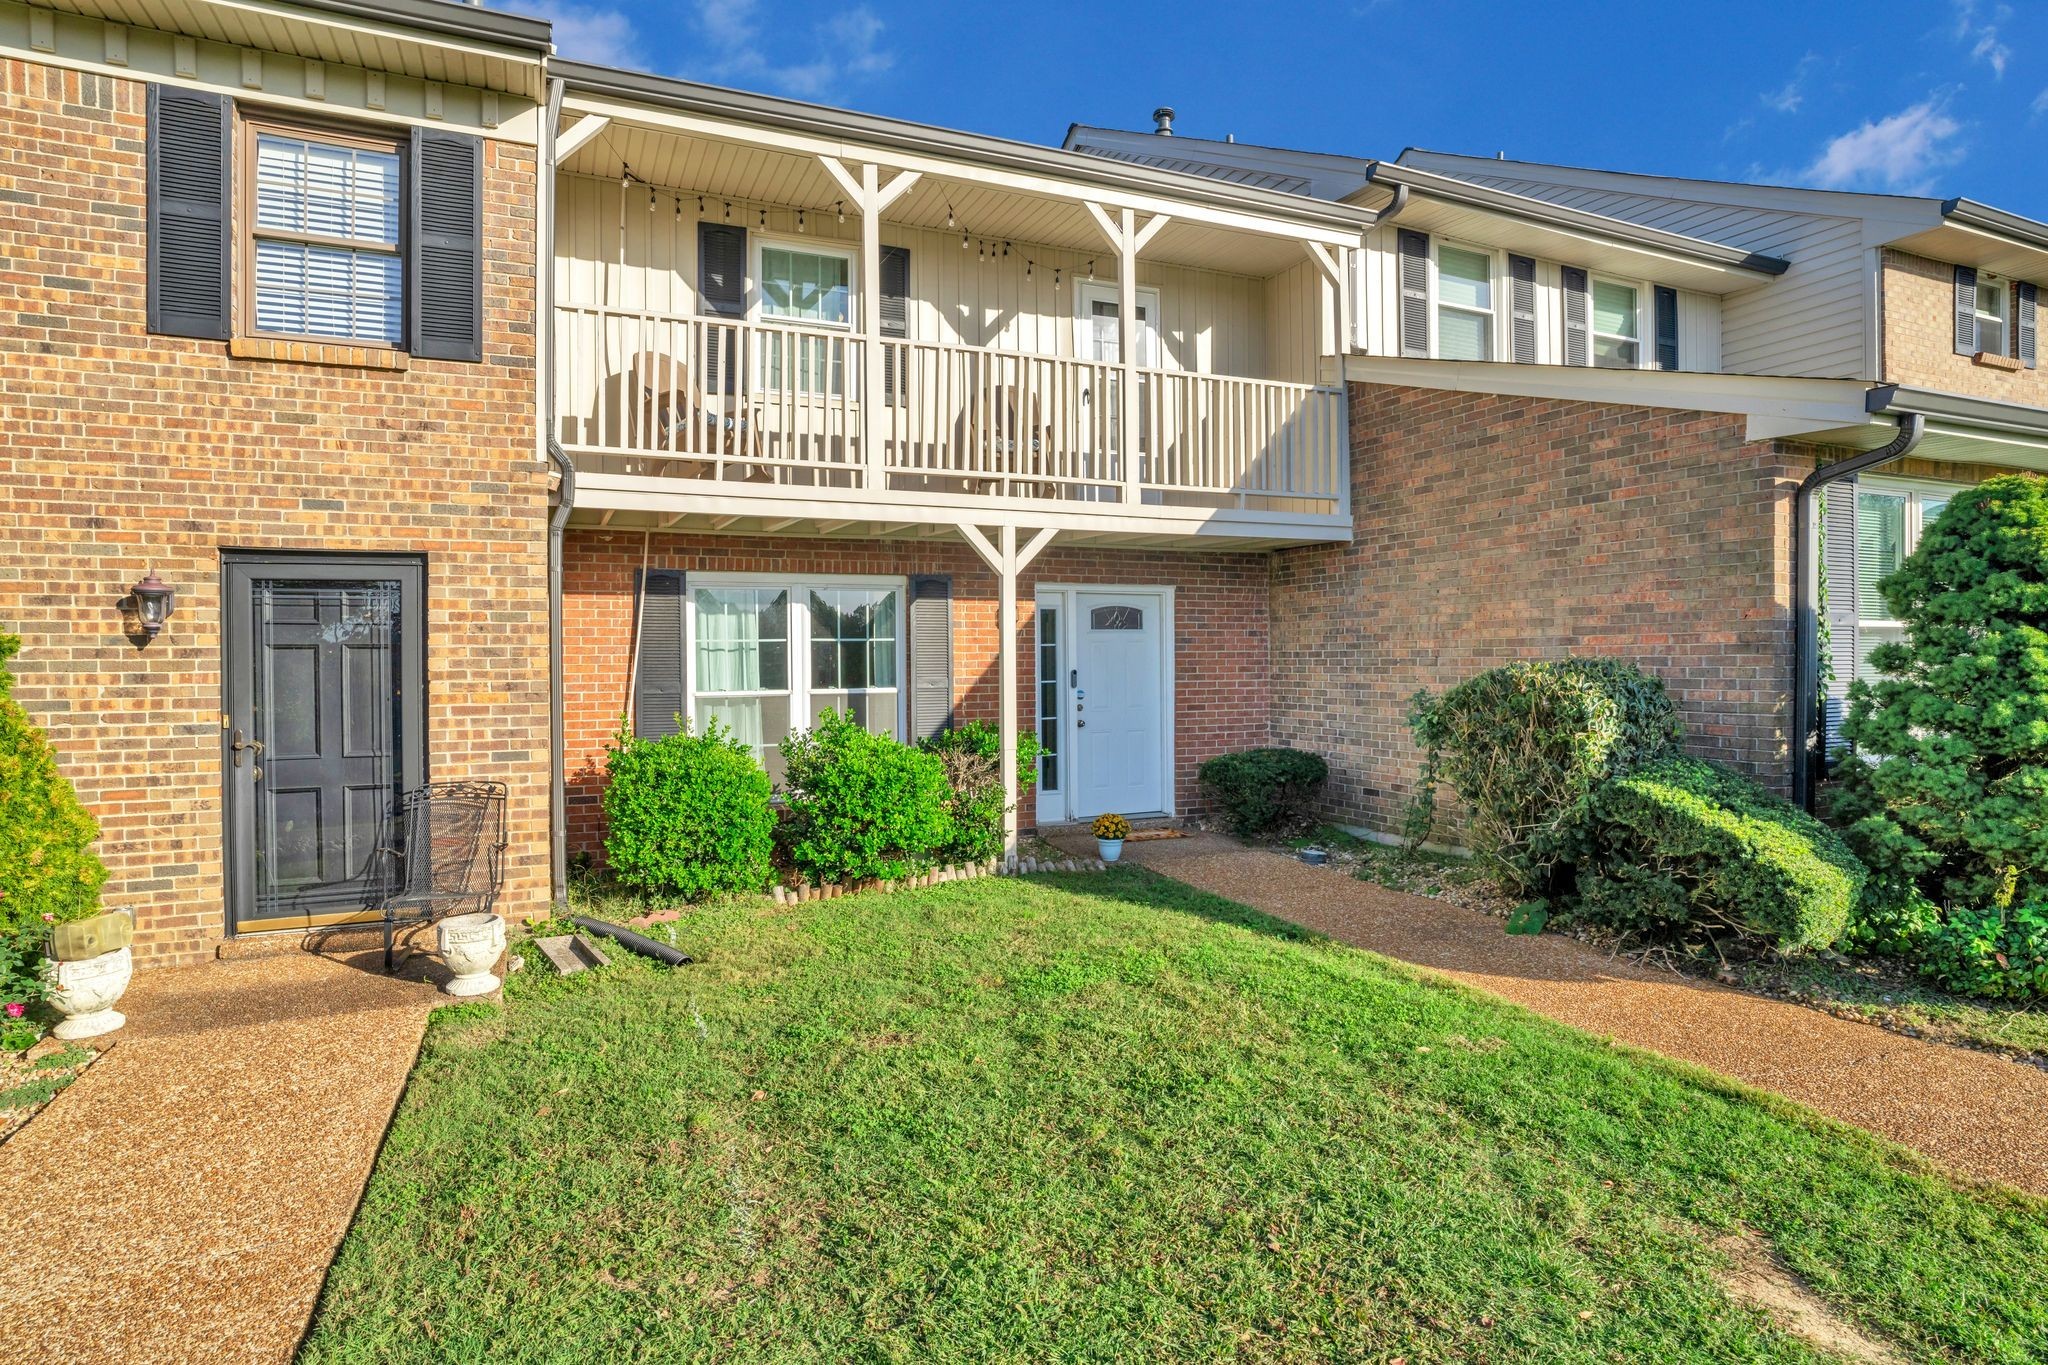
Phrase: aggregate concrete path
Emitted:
{"points": [[181, 1201], [1976, 1113]]}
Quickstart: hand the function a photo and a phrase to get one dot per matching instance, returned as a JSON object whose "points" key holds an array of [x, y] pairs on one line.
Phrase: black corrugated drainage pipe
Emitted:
{"points": [[1808, 738], [638, 943]]}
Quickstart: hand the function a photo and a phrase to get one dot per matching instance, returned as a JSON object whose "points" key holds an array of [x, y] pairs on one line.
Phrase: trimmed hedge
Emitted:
{"points": [[1524, 745], [2002, 954], [688, 815], [1260, 789], [1681, 843], [860, 805], [47, 863]]}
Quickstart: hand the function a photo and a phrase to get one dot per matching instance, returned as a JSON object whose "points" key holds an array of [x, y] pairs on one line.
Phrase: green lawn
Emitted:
{"points": [[1109, 1118]]}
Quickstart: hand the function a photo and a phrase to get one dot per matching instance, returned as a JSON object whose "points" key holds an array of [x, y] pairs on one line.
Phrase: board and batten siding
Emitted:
{"points": [[612, 252], [1812, 321], [1377, 319]]}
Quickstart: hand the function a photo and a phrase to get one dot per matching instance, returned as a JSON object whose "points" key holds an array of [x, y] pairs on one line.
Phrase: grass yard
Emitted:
{"points": [[1110, 1118]]}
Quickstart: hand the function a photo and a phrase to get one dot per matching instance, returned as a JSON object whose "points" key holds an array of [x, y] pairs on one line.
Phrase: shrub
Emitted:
{"points": [[861, 805], [1679, 843], [1997, 953], [1525, 744], [1260, 789], [1953, 797], [979, 737], [48, 869], [688, 815], [975, 806]]}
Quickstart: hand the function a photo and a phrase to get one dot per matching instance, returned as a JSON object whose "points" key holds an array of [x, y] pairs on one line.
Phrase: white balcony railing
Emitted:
{"points": [[706, 399]]}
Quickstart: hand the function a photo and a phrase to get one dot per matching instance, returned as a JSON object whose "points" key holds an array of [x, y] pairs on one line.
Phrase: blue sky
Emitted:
{"points": [[1906, 96]]}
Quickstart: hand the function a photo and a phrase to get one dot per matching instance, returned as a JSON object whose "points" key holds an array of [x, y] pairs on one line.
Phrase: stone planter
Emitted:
{"points": [[1110, 849], [471, 945], [84, 992]]}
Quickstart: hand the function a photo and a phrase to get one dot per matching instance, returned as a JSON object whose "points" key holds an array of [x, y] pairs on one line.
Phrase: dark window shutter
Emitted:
{"points": [[191, 175], [658, 669], [1414, 254], [2023, 322], [1838, 565], [931, 655], [721, 293], [1578, 329], [1666, 319], [1522, 309], [895, 290], [1966, 310], [447, 246]]}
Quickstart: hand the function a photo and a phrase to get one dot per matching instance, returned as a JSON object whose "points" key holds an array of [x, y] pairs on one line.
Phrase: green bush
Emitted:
{"points": [[861, 805], [688, 815], [1260, 789], [979, 737], [1680, 843], [975, 806], [48, 869], [1998, 953], [1524, 745]]}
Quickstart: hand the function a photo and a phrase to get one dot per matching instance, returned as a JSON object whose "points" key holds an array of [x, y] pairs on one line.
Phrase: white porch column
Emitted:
{"points": [[870, 197], [1008, 561], [1335, 266], [1127, 239]]}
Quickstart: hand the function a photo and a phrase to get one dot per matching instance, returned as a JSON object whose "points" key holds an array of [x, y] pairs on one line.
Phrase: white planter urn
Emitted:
{"points": [[471, 945], [84, 992], [1110, 849]]}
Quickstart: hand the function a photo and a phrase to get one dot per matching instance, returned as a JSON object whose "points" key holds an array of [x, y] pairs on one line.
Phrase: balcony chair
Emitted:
{"points": [[1011, 429], [672, 414]]}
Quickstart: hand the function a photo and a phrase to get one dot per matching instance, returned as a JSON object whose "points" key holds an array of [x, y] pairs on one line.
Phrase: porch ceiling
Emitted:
{"points": [[676, 163]]}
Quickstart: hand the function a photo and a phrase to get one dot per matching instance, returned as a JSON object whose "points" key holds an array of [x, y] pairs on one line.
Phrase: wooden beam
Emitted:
{"points": [[1320, 254], [1037, 543], [579, 132], [826, 528], [720, 523], [896, 188], [1151, 230], [1110, 231], [669, 521], [780, 524], [837, 170]]}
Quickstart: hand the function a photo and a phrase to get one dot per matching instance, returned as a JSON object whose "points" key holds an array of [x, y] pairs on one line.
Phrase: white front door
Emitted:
{"points": [[1117, 703], [1096, 336]]}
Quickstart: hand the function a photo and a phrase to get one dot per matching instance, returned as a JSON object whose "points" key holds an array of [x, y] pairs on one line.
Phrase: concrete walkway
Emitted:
{"points": [[181, 1201], [1979, 1114]]}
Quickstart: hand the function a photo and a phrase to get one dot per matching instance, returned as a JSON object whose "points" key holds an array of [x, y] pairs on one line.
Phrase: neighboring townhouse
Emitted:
{"points": [[269, 336], [1584, 405]]}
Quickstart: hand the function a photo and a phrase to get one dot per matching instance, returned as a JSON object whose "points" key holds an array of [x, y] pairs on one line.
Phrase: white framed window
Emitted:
{"points": [[321, 216], [1890, 518], [770, 654], [1465, 302], [809, 287], [1993, 298], [1617, 325]]}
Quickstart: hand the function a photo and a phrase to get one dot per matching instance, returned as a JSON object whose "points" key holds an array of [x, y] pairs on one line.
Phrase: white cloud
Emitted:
{"points": [[590, 33], [2040, 105], [1898, 153], [1787, 98], [841, 49], [1980, 32]]}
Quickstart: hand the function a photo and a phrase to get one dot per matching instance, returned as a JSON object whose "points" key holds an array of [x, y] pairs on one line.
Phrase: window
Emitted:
{"points": [[1048, 699], [814, 289], [1991, 315], [1464, 304], [745, 634], [1889, 523], [322, 236], [1617, 333]]}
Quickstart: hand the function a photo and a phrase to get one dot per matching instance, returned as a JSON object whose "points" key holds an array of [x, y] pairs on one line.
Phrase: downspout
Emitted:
{"points": [[1806, 586], [565, 501]]}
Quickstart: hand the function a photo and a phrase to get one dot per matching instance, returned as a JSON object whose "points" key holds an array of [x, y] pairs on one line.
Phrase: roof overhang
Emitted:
{"points": [[1451, 206], [1968, 430], [1991, 239], [434, 40]]}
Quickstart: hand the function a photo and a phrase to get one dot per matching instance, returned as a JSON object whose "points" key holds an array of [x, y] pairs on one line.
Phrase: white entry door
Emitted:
{"points": [[1118, 704]]}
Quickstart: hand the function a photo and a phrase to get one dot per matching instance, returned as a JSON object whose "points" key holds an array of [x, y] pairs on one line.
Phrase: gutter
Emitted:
{"points": [[565, 502], [1807, 755], [439, 16], [1543, 213], [1970, 214]]}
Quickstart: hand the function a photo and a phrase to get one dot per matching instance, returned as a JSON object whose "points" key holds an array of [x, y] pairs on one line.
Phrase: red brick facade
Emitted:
{"points": [[1220, 628], [1498, 528], [126, 451]]}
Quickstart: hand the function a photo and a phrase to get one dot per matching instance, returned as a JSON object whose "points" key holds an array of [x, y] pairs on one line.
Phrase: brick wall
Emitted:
{"points": [[1220, 634], [126, 451], [1920, 336], [1494, 528]]}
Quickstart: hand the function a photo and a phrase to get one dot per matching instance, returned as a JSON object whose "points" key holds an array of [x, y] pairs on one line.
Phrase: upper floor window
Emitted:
{"points": [[806, 286], [1464, 303], [1617, 326], [1992, 312], [322, 236]]}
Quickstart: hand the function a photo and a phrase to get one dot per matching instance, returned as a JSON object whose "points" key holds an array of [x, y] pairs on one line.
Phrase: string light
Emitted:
{"points": [[963, 241], [842, 210], [799, 220], [764, 219], [700, 206], [1055, 277], [652, 199], [728, 210], [1006, 251], [949, 216]]}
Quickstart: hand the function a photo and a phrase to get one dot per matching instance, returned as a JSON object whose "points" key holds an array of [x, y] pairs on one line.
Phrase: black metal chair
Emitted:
{"points": [[444, 854]]}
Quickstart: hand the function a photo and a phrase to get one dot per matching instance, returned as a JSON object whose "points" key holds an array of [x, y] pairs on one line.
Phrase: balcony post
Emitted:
{"points": [[870, 197], [1008, 560], [1127, 239], [1336, 270]]}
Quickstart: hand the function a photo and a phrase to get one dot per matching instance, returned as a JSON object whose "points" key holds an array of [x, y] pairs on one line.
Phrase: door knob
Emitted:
{"points": [[238, 745], [1080, 725]]}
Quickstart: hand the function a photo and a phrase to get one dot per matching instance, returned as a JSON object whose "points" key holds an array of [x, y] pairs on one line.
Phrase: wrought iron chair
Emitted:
{"points": [[444, 854]]}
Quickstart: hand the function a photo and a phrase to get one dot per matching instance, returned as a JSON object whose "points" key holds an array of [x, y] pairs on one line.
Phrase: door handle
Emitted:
{"points": [[238, 745]]}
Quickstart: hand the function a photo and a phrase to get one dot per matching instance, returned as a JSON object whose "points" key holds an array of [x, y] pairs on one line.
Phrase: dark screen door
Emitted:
{"points": [[322, 728]]}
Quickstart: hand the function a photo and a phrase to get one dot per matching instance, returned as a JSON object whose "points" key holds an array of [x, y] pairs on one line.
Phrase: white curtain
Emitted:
{"points": [[728, 641]]}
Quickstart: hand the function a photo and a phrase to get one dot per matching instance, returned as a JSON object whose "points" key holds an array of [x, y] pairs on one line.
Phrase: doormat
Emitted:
{"points": [[1139, 836]]}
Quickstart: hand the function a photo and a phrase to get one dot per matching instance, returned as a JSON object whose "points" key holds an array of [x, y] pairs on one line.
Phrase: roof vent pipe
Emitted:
{"points": [[1162, 120]]}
